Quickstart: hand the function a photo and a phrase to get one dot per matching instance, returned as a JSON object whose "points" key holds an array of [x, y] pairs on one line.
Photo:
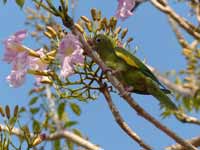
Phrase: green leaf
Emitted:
{"points": [[61, 110], [16, 111], [20, 3], [7, 109], [70, 145], [69, 124], [12, 121], [75, 108], [57, 145], [34, 110], [2, 111], [22, 109], [196, 103], [26, 130], [187, 103], [77, 132], [33, 101], [36, 126]]}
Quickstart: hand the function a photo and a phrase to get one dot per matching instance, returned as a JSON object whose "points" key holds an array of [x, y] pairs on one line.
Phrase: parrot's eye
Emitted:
{"points": [[98, 40]]}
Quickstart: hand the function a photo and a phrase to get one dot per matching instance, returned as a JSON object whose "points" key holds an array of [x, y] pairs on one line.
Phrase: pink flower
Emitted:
{"points": [[124, 8], [18, 73], [11, 45], [36, 63], [18, 57], [70, 53], [16, 78]]}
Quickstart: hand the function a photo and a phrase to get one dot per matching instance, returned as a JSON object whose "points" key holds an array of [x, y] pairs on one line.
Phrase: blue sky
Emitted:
{"points": [[157, 44]]}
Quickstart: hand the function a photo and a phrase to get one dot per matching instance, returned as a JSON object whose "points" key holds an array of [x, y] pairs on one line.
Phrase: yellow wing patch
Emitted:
{"points": [[127, 59]]}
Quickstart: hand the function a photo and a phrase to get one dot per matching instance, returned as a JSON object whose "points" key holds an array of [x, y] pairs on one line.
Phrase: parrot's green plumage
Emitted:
{"points": [[130, 71]]}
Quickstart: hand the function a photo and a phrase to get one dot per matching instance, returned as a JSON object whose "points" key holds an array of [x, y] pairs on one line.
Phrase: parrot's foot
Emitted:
{"points": [[113, 72], [125, 94], [106, 69], [129, 88]]}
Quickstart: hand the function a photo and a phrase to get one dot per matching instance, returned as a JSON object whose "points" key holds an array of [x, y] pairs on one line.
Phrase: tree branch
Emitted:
{"points": [[54, 136], [68, 22], [125, 94], [177, 88], [190, 28], [120, 121], [194, 141]]}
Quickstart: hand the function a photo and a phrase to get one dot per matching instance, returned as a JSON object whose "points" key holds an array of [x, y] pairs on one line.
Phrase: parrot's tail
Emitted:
{"points": [[166, 91], [164, 100]]}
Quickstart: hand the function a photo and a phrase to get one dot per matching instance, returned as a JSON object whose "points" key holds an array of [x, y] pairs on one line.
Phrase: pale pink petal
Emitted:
{"points": [[10, 52], [20, 35], [37, 64], [70, 53], [67, 68], [77, 57], [20, 62], [124, 9], [16, 78]]}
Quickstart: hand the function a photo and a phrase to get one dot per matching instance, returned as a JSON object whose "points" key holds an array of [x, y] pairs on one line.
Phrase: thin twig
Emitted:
{"points": [[178, 34], [120, 121], [194, 141], [55, 136], [190, 28]]}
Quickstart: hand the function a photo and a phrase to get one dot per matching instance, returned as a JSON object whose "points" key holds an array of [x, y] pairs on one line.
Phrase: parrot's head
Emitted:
{"points": [[103, 44]]}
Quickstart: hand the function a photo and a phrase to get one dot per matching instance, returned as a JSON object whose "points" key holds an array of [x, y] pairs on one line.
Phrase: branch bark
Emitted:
{"points": [[68, 23], [190, 28], [125, 94], [55, 136], [178, 88], [120, 121], [194, 141]]}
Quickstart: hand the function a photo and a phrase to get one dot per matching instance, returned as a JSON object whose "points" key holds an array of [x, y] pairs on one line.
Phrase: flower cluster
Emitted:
{"points": [[70, 54], [16, 55]]}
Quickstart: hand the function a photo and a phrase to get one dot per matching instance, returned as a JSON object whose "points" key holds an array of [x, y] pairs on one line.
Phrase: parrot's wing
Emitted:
{"points": [[136, 63]]}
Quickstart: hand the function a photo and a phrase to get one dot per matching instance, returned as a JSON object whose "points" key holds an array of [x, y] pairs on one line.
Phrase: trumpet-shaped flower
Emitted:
{"points": [[11, 46], [18, 73], [18, 56], [124, 8], [36, 63], [70, 53]]}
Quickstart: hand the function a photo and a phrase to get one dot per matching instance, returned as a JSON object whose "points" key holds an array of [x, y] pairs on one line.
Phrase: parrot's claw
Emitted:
{"points": [[106, 69], [129, 88], [113, 72], [125, 93]]}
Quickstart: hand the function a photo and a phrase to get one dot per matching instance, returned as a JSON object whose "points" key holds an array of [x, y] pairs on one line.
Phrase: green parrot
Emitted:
{"points": [[130, 71]]}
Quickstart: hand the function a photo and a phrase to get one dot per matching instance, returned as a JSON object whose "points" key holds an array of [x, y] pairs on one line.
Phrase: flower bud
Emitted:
{"points": [[51, 31], [79, 28], [84, 18], [124, 32], [94, 14]]}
